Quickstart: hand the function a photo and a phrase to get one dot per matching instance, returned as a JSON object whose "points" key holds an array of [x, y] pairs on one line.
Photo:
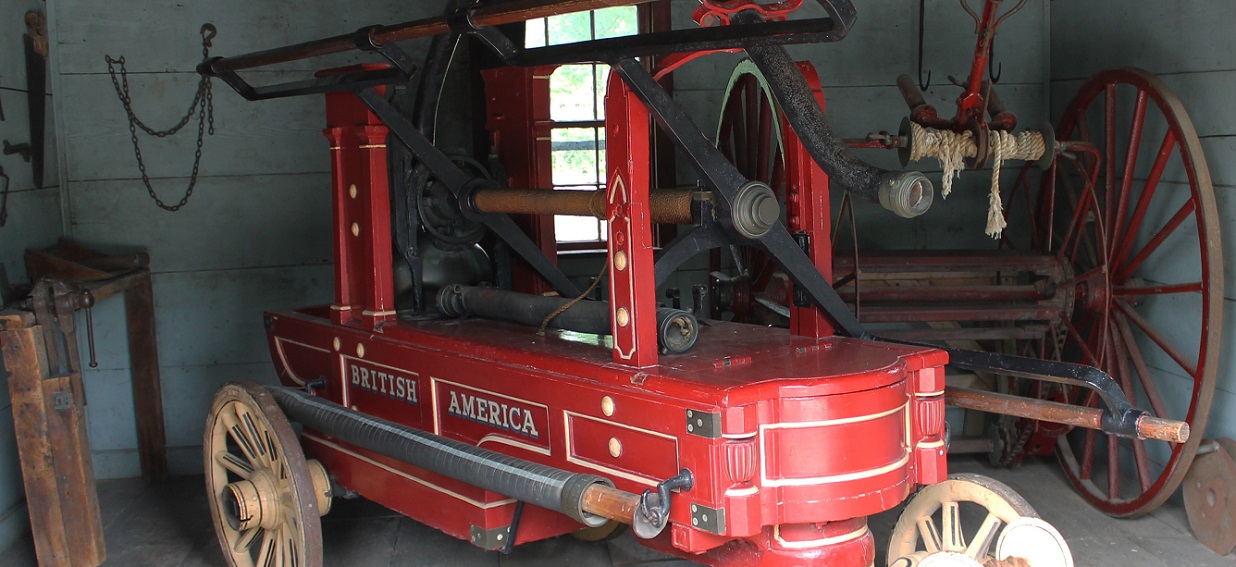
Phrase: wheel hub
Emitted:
{"points": [[252, 503], [1093, 294]]}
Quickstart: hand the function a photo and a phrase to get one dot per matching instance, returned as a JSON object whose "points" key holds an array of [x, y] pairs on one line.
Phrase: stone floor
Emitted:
{"points": [[166, 525]]}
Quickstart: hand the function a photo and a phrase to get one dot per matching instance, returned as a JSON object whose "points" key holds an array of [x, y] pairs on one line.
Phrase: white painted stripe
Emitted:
{"points": [[809, 481], [501, 440], [812, 481], [742, 491], [812, 543], [283, 357], [830, 422]]}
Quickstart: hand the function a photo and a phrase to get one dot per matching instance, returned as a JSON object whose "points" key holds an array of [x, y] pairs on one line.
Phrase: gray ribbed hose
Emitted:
{"points": [[537, 484]]}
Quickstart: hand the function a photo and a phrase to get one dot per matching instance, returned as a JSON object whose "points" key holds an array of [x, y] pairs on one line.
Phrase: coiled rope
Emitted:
{"points": [[952, 149]]}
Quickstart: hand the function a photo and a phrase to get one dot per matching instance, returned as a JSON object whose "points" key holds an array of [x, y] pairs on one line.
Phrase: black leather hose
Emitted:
{"points": [[677, 330], [908, 193]]}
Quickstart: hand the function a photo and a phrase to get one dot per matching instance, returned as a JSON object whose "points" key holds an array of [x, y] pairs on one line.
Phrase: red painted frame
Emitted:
{"points": [[793, 438]]}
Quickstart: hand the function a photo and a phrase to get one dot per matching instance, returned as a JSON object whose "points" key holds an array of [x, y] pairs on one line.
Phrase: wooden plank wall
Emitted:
{"points": [[1188, 45], [253, 237], [33, 221]]}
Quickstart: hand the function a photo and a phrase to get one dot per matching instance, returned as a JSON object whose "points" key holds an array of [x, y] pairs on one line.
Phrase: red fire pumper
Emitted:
{"points": [[460, 378]]}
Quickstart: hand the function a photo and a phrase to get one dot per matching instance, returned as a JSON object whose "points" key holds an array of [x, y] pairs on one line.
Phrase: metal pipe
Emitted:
{"points": [[1148, 427], [480, 16], [668, 206], [588, 499], [677, 330]]}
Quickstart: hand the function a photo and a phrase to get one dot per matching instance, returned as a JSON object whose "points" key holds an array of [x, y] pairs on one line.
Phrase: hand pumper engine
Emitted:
{"points": [[726, 443]]}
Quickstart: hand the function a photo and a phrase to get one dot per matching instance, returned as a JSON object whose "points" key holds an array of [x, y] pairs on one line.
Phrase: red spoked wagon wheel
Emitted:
{"points": [[1130, 210], [749, 135]]}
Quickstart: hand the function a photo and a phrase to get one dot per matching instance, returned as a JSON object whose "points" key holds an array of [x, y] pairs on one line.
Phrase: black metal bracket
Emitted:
{"points": [[513, 530], [653, 511]]}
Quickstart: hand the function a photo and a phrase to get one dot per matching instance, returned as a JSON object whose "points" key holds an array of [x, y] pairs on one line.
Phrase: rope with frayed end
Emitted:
{"points": [[952, 149]]}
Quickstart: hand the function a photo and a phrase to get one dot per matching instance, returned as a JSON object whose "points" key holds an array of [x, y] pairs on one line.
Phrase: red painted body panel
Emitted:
{"points": [[812, 431]]}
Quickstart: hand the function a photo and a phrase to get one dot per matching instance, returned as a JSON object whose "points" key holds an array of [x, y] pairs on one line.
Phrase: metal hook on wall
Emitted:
{"points": [[922, 16]]}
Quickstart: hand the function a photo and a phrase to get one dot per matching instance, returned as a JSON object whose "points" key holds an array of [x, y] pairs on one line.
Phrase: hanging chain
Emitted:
{"points": [[202, 106]]}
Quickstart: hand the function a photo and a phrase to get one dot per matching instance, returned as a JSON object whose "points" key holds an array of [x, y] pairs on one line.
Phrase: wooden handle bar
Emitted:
{"points": [[669, 206], [481, 16], [1148, 427], [609, 502]]}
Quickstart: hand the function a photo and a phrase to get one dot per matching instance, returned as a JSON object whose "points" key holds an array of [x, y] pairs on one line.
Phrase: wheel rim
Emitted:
{"points": [[262, 494], [937, 519], [749, 136], [1136, 221]]}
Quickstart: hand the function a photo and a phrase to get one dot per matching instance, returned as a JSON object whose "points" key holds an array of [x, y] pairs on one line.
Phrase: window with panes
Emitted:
{"points": [[577, 110]]}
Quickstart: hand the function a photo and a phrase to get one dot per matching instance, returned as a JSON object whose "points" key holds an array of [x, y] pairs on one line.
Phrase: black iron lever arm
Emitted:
{"points": [[491, 14], [460, 184], [1120, 418]]}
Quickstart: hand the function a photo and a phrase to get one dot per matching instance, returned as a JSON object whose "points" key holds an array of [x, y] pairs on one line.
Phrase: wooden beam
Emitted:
{"points": [[147, 386], [50, 423]]}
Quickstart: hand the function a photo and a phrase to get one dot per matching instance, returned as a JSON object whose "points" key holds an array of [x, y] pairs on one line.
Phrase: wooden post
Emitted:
{"points": [[55, 452], [147, 386]]}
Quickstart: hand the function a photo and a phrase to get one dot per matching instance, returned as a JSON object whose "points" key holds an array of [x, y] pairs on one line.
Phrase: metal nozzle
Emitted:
{"points": [[907, 194]]}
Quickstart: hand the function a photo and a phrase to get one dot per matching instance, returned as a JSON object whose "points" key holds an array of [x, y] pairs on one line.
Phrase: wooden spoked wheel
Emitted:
{"points": [[749, 135], [933, 527], [1130, 211], [265, 498]]}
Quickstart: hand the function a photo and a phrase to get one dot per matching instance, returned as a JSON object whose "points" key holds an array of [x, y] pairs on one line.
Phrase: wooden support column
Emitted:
{"points": [[54, 449], [147, 386]]}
